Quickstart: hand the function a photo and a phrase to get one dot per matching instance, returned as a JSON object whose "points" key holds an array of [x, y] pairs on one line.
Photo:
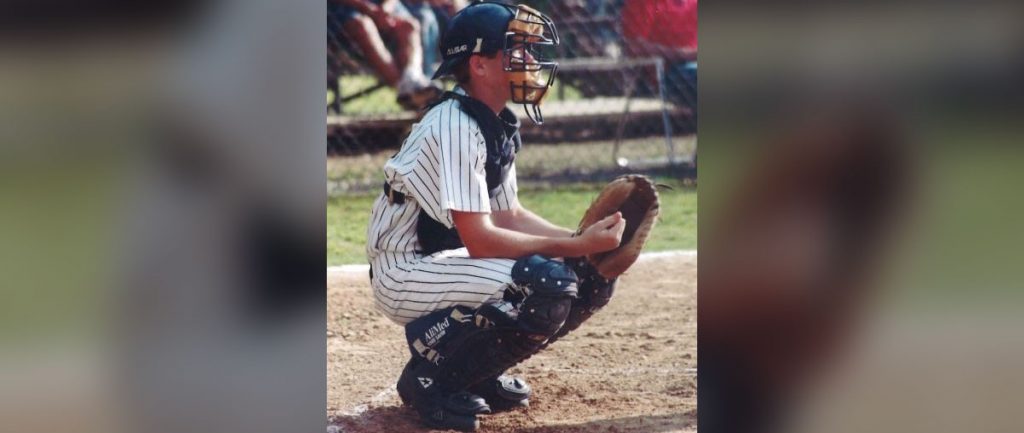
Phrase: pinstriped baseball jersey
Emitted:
{"points": [[440, 168]]}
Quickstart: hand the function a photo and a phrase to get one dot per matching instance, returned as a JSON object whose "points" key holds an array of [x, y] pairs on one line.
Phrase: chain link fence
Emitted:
{"points": [[624, 98]]}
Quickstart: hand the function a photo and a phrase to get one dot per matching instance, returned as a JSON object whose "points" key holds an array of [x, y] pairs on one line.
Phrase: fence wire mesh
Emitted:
{"points": [[624, 98]]}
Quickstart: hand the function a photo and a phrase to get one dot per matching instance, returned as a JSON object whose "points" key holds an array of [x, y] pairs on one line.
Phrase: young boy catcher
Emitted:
{"points": [[454, 257]]}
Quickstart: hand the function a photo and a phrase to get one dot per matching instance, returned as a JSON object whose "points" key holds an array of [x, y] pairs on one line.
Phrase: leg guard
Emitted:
{"points": [[459, 348], [418, 385], [595, 292]]}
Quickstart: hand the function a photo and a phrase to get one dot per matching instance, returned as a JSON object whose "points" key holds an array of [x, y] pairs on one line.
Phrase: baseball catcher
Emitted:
{"points": [[479, 282]]}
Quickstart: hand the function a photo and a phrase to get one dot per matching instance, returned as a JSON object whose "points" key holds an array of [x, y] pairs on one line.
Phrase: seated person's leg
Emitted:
{"points": [[337, 42], [414, 88], [361, 29], [429, 33], [338, 15], [406, 36]]}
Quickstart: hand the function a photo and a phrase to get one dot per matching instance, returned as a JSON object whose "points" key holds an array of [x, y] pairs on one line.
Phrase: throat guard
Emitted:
{"points": [[501, 136]]}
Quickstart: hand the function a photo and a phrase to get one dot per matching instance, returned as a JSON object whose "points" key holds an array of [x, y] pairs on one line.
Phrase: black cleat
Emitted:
{"points": [[443, 420], [439, 409]]}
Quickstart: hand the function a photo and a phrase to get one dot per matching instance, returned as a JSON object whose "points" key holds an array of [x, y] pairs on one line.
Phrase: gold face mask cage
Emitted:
{"points": [[529, 66]]}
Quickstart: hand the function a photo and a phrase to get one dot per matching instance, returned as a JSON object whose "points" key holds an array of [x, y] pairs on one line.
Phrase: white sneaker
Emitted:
{"points": [[415, 91], [419, 98], [412, 81]]}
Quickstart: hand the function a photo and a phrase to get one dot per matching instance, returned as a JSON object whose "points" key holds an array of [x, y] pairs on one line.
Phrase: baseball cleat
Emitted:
{"points": [[439, 409]]}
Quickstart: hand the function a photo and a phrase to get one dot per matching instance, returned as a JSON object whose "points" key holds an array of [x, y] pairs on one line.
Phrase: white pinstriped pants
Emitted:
{"points": [[407, 290]]}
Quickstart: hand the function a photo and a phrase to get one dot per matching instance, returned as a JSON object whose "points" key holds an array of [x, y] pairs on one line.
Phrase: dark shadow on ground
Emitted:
{"points": [[633, 424], [401, 419]]}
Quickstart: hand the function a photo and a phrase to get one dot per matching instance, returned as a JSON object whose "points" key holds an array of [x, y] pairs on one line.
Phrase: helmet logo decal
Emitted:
{"points": [[456, 50], [479, 45]]}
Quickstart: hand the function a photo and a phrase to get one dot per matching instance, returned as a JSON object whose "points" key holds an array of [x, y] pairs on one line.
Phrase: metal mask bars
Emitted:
{"points": [[529, 46]]}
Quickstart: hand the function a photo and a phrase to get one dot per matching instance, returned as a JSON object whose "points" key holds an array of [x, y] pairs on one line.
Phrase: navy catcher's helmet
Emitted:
{"points": [[521, 32]]}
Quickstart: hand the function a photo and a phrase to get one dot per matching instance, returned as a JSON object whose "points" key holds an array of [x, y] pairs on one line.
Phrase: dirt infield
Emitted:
{"points": [[631, 368]]}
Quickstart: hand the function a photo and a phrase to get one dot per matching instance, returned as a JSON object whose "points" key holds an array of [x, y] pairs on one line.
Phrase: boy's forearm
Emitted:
{"points": [[525, 221], [511, 244]]}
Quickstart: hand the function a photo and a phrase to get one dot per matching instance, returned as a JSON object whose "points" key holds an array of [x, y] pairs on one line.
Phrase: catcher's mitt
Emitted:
{"points": [[636, 197]]}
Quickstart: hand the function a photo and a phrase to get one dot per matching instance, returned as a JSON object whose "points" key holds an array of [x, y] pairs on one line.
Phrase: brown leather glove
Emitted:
{"points": [[636, 197]]}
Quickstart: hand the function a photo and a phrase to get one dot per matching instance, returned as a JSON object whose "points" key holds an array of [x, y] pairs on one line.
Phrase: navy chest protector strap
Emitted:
{"points": [[501, 136]]}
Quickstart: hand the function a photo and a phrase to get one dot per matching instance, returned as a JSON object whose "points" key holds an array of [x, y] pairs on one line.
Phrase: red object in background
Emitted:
{"points": [[666, 22]]}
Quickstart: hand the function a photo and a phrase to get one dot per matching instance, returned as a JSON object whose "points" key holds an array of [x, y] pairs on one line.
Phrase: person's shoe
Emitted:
{"points": [[439, 409], [415, 99], [503, 392], [454, 411]]}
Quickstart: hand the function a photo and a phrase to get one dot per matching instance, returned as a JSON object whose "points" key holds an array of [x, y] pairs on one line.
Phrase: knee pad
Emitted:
{"points": [[549, 287], [540, 317], [540, 275]]}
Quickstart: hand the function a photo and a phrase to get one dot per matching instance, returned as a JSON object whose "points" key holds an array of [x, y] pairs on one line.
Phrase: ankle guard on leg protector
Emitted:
{"points": [[503, 392]]}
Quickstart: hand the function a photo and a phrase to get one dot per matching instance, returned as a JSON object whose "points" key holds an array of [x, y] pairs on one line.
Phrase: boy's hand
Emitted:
{"points": [[603, 235]]}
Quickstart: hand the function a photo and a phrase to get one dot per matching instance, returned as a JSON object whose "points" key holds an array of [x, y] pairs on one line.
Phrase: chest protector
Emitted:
{"points": [[501, 136]]}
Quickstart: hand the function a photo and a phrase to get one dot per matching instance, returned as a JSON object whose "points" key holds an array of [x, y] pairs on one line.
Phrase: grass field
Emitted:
{"points": [[347, 217]]}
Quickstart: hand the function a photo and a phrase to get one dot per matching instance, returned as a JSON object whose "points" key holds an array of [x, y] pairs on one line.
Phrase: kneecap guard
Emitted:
{"points": [[549, 287], [543, 276]]}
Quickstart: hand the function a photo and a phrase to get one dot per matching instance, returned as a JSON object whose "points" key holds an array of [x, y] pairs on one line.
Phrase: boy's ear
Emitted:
{"points": [[476, 66]]}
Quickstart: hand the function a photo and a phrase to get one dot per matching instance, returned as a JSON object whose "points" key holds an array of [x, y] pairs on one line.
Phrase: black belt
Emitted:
{"points": [[393, 196]]}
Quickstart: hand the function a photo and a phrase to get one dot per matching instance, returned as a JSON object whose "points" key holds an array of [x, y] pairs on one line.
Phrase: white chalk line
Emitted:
{"points": [[381, 397], [364, 268], [348, 269]]}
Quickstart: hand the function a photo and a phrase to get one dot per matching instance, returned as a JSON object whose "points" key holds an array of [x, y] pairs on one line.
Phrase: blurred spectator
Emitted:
{"points": [[367, 23], [444, 10], [587, 27], [433, 16], [666, 29], [430, 32]]}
